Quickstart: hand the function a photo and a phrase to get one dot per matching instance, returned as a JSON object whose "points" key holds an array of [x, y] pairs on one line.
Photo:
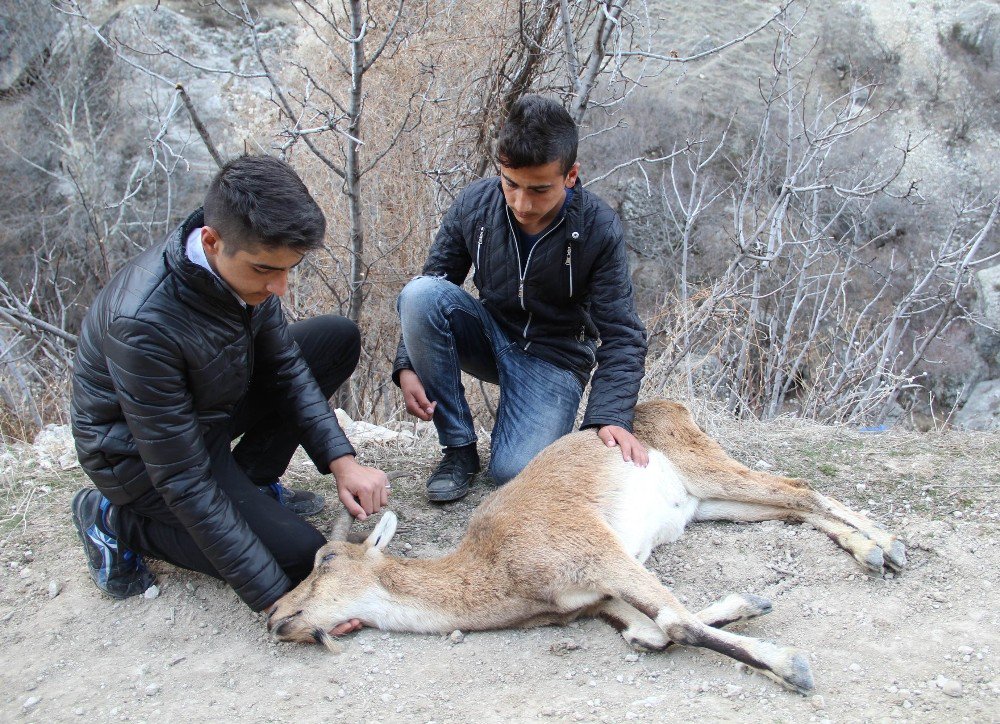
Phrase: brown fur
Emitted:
{"points": [[541, 550]]}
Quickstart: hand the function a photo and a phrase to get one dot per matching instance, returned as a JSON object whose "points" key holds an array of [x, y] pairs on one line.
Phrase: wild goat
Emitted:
{"points": [[568, 537]]}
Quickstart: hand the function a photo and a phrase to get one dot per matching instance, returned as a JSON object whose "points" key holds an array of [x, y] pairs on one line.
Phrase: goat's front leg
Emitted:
{"points": [[641, 590], [641, 632]]}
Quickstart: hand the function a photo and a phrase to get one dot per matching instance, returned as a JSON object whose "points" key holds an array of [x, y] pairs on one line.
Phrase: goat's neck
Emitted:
{"points": [[456, 591]]}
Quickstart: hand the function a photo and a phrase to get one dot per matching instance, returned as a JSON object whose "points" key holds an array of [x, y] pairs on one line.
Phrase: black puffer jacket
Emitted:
{"points": [[576, 290], [165, 354]]}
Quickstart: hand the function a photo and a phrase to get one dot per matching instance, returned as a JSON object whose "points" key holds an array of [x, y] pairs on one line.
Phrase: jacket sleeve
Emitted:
{"points": [[150, 377], [280, 360], [621, 357], [448, 257]]}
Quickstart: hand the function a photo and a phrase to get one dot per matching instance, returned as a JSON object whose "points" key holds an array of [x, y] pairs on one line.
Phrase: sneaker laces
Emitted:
{"points": [[453, 458]]}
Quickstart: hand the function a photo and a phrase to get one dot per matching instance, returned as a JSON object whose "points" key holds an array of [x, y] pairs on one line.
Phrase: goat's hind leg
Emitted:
{"points": [[641, 632], [864, 549], [744, 495]]}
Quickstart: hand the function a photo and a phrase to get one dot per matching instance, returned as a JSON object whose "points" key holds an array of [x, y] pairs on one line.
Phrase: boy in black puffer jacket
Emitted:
{"points": [[186, 349]]}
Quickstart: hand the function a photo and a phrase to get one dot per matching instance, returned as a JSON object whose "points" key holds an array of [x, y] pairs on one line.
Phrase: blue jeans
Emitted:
{"points": [[447, 331]]}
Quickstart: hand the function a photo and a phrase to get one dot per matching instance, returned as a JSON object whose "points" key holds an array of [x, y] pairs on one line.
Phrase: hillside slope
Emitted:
{"points": [[920, 647]]}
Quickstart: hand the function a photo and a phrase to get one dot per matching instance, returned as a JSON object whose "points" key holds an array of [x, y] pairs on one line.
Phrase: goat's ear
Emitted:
{"points": [[383, 532]]}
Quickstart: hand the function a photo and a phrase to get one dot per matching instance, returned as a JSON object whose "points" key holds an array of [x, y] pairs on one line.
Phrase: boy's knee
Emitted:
{"points": [[349, 336], [504, 468], [420, 295], [301, 553]]}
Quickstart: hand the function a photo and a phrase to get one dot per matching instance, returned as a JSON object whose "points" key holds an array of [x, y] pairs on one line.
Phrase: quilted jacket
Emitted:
{"points": [[576, 291], [165, 354]]}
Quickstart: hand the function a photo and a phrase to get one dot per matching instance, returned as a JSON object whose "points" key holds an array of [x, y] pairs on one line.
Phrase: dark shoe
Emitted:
{"points": [[116, 570], [300, 502], [453, 475]]}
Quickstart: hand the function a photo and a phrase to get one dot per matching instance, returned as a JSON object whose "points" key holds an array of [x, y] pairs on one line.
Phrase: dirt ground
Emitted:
{"points": [[922, 646]]}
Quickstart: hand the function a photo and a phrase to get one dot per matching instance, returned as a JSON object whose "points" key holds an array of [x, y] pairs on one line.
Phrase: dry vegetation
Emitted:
{"points": [[787, 258]]}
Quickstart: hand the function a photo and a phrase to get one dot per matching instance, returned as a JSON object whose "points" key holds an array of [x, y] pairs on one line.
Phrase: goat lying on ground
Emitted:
{"points": [[568, 537]]}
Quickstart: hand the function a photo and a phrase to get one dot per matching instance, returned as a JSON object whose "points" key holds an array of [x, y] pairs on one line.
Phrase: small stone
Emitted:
{"points": [[79, 711], [733, 690], [763, 465], [563, 646], [548, 711], [31, 701], [407, 547], [284, 695], [151, 592], [152, 690], [456, 637], [957, 513], [949, 686], [25, 572], [818, 702], [936, 596], [54, 588], [631, 658], [176, 660], [854, 667], [966, 650], [368, 649], [29, 555]]}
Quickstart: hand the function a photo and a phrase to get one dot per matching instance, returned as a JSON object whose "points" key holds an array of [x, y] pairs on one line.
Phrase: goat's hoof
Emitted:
{"points": [[800, 676], [647, 646], [895, 556], [872, 559], [756, 605]]}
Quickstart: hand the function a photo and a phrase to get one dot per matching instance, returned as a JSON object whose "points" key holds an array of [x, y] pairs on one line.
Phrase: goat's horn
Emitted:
{"points": [[341, 525]]}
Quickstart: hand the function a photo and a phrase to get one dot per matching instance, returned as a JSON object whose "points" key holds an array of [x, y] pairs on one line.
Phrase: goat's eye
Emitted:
{"points": [[328, 557]]}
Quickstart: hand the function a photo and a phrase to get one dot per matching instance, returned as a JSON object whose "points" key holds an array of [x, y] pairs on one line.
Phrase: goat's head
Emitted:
{"points": [[342, 586]]}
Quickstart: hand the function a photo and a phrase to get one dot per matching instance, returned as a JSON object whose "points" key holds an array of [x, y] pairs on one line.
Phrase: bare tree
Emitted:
{"points": [[784, 319]]}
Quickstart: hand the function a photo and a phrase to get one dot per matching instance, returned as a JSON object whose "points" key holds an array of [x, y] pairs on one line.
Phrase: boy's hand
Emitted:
{"points": [[361, 489], [632, 449], [416, 400]]}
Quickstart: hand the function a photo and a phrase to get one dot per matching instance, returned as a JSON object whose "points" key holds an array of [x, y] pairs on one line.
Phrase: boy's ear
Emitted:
{"points": [[210, 240], [572, 175]]}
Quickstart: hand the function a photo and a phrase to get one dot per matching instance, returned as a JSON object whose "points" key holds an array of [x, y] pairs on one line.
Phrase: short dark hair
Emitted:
{"points": [[538, 131], [261, 200]]}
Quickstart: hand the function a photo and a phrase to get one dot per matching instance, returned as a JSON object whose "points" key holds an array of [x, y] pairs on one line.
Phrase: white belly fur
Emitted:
{"points": [[651, 507]]}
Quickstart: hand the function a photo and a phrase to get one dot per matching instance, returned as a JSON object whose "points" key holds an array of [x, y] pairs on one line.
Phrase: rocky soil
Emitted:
{"points": [[922, 646]]}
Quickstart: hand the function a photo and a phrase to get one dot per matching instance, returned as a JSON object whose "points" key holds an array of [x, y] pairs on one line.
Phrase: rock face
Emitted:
{"points": [[977, 29], [27, 32], [988, 335], [982, 410]]}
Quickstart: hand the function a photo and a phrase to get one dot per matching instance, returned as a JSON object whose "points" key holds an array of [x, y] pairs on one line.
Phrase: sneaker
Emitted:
{"points": [[300, 502], [453, 475], [116, 570]]}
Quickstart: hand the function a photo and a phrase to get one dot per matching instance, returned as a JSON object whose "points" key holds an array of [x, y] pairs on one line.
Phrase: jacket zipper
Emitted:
{"points": [[527, 264], [479, 245], [249, 327], [569, 263]]}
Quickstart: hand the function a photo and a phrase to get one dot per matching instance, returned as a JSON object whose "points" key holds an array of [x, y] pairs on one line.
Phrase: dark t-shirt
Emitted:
{"points": [[526, 241]]}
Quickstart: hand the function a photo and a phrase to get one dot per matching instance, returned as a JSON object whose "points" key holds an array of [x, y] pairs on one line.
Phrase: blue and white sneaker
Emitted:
{"points": [[117, 571], [300, 502]]}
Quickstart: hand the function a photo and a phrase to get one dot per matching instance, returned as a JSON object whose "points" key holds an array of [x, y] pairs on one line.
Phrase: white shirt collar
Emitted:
{"points": [[195, 253]]}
